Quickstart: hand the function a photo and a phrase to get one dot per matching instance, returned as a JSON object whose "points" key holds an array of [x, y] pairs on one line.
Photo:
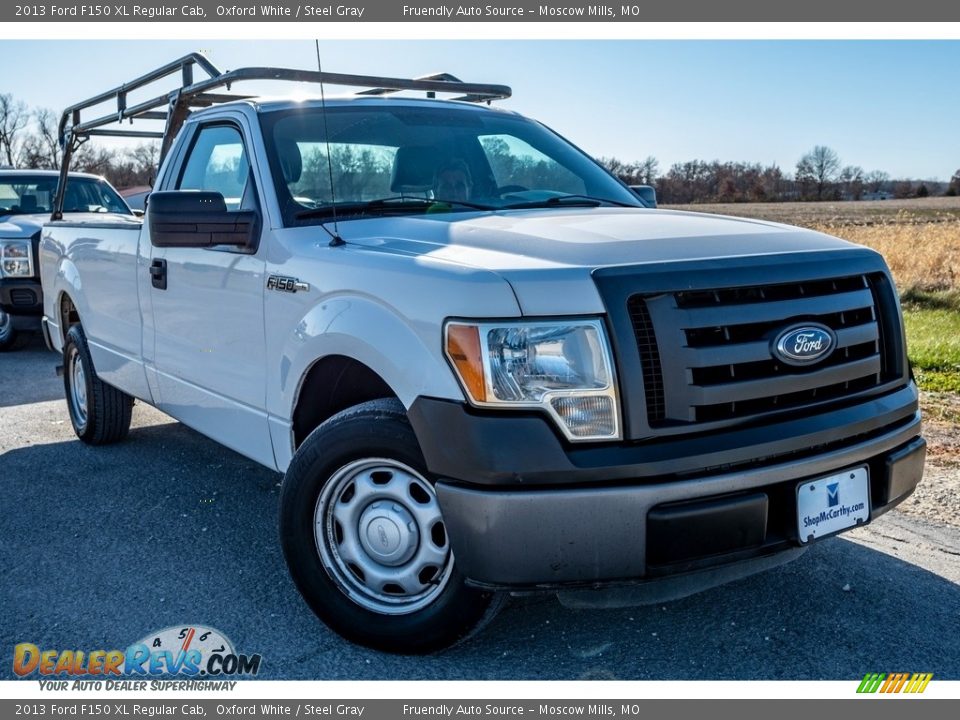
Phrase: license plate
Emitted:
{"points": [[830, 504]]}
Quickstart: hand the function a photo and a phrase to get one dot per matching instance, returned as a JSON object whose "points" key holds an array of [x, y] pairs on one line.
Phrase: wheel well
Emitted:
{"points": [[332, 384], [68, 314]]}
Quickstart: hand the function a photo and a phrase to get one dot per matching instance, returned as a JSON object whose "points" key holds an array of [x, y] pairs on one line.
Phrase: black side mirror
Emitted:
{"points": [[645, 193], [188, 218]]}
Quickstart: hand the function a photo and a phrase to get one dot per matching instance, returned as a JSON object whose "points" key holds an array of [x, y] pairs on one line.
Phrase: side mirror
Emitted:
{"points": [[188, 218], [137, 212], [645, 193]]}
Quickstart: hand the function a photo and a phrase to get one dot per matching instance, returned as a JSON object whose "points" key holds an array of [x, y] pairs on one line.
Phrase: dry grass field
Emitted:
{"points": [[920, 240], [865, 212]]}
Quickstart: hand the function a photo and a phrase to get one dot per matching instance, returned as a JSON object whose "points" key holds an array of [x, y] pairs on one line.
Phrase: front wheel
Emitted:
{"points": [[365, 540], [10, 339]]}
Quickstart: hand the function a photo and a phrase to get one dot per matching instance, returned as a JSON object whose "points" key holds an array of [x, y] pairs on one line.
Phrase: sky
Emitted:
{"points": [[882, 105]]}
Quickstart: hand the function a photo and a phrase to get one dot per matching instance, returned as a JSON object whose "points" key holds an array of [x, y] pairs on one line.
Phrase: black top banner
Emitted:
{"points": [[500, 11]]}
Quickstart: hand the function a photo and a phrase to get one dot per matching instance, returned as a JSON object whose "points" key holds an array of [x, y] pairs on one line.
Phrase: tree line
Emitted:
{"points": [[818, 175], [28, 139]]}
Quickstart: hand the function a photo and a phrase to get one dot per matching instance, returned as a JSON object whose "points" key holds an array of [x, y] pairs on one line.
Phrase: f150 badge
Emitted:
{"points": [[286, 284]]}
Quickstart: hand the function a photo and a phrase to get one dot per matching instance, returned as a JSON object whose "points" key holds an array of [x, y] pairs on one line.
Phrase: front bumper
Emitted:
{"points": [[523, 511], [22, 299]]}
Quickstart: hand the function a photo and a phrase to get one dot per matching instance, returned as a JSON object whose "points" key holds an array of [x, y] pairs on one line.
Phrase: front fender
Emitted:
{"points": [[363, 330], [373, 334]]}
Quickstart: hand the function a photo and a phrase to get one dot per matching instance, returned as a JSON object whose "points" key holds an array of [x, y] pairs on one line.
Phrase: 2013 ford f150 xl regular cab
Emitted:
{"points": [[482, 364]]}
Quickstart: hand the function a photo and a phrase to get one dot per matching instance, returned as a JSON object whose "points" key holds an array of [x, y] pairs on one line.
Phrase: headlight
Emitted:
{"points": [[15, 259], [563, 367]]}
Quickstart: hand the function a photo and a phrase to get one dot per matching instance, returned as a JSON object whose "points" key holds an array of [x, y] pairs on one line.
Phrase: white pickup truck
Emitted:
{"points": [[481, 363]]}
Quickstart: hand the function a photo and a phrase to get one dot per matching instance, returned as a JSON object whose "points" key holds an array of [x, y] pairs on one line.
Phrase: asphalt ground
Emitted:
{"points": [[101, 546]]}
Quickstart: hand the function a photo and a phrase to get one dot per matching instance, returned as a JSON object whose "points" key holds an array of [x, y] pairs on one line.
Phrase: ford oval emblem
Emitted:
{"points": [[803, 344]]}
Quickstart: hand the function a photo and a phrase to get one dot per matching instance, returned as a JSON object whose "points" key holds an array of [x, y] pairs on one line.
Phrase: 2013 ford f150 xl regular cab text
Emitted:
{"points": [[481, 362]]}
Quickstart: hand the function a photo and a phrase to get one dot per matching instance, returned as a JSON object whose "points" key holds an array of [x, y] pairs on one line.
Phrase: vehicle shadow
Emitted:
{"points": [[108, 544], [28, 375]]}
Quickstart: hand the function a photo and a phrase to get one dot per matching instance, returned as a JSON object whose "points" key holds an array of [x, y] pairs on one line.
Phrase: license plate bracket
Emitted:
{"points": [[830, 504]]}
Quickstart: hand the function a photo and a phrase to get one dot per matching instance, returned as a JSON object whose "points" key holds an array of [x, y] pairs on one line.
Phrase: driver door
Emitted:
{"points": [[208, 341]]}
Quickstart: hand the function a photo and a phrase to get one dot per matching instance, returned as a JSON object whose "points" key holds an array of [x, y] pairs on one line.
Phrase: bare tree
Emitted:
{"points": [[648, 170], [876, 179], [852, 178], [818, 167], [954, 187], [41, 149], [903, 189], [13, 119], [94, 159], [642, 172], [145, 157]]}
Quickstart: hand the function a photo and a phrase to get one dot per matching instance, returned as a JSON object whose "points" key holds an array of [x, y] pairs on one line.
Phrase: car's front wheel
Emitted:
{"points": [[364, 536], [10, 338]]}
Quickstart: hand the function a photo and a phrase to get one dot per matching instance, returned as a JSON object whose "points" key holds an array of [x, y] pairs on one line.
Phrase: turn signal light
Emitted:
{"points": [[463, 348]]}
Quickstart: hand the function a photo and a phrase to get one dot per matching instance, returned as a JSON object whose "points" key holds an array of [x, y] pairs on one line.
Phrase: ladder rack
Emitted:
{"points": [[174, 107]]}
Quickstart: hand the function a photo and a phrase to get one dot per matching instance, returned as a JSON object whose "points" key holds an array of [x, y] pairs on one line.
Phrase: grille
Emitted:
{"points": [[706, 354], [649, 357], [22, 297]]}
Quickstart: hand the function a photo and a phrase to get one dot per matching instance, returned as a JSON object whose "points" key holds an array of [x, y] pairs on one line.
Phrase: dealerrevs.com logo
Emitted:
{"points": [[189, 651]]}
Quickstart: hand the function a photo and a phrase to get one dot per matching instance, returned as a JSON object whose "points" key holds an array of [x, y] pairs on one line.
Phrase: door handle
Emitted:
{"points": [[158, 274]]}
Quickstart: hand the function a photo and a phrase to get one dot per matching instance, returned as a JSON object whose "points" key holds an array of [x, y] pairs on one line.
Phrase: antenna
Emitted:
{"points": [[335, 240]]}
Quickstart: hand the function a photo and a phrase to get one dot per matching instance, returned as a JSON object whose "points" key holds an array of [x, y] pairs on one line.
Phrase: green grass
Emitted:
{"points": [[933, 339]]}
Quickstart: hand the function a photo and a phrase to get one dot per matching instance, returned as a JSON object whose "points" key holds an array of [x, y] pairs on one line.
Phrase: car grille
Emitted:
{"points": [[706, 354]]}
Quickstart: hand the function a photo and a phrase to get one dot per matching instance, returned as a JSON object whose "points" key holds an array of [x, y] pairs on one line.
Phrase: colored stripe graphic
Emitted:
{"points": [[871, 681], [894, 683]]}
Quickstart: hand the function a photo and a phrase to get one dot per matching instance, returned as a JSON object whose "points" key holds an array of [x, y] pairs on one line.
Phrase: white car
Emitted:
{"points": [[26, 201]]}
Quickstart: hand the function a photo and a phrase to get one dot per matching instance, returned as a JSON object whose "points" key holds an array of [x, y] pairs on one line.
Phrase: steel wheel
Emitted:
{"points": [[78, 387], [379, 532]]}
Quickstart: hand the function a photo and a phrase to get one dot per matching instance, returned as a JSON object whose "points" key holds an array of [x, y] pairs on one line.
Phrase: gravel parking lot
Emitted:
{"points": [[100, 546]]}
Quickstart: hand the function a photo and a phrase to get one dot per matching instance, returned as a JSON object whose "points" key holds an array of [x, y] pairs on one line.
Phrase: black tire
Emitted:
{"points": [[100, 414], [372, 430], [11, 339]]}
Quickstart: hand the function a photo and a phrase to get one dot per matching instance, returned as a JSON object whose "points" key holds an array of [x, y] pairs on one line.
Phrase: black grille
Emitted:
{"points": [[706, 354], [22, 297], [649, 357]]}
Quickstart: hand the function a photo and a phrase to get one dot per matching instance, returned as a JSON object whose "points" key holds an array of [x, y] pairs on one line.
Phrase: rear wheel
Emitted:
{"points": [[100, 413], [364, 537]]}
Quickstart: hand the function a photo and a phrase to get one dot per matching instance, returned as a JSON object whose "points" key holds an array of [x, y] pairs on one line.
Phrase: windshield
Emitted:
{"points": [[425, 159], [33, 194]]}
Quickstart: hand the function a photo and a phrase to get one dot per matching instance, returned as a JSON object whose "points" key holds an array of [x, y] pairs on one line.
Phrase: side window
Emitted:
{"points": [[217, 162]]}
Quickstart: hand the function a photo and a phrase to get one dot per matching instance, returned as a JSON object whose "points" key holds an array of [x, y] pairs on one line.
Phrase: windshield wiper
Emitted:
{"points": [[571, 200], [398, 203]]}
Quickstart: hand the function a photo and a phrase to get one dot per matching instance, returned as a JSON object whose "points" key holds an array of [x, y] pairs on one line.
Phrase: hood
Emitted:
{"points": [[548, 255], [21, 226]]}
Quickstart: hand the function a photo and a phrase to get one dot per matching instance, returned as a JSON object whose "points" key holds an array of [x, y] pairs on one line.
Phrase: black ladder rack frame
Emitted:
{"points": [[175, 106]]}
